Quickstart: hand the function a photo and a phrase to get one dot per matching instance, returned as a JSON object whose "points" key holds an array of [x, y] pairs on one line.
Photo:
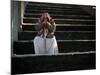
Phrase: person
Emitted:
{"points": [[45, 41]]}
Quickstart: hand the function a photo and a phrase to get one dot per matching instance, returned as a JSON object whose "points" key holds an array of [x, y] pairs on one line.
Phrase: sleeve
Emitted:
{"points": [[37, 27], [52, 27]]}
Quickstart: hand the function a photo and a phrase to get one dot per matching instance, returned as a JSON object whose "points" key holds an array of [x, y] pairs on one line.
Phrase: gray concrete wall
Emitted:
{"points": [[15, 19]]}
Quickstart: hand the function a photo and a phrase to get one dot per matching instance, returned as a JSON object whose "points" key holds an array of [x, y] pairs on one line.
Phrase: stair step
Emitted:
{"points": [[69, 12], [63, 28], [27, 47], [37, 64], [52, 5], [62, 16], [57, 4], [68, 53], [30, 7], [62, 21], [52, 9], [60, 35]]}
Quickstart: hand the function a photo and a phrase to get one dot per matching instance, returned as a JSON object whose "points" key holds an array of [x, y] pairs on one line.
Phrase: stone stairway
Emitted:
{"points": [[75, 32], [75, 28]]}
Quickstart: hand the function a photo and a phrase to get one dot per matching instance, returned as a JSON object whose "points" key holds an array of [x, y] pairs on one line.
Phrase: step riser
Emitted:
{"points": [[28, 47], [38, 9], [60, 35], [62, 28], [36, 64], [54, 6], [23, 48], [76, 46], [63, 21], [61, 17], [50, 7], [29, 9], [59, 13]]}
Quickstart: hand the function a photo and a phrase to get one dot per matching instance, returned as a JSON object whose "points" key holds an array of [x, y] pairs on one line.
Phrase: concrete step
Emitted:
{"points": [[58, 12], [62, 21], [38, 64], [61, 16], [27, 47], [51, 9], [30, 7], [60, 35], [64, 27], [52, 5], [56, 4]]}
